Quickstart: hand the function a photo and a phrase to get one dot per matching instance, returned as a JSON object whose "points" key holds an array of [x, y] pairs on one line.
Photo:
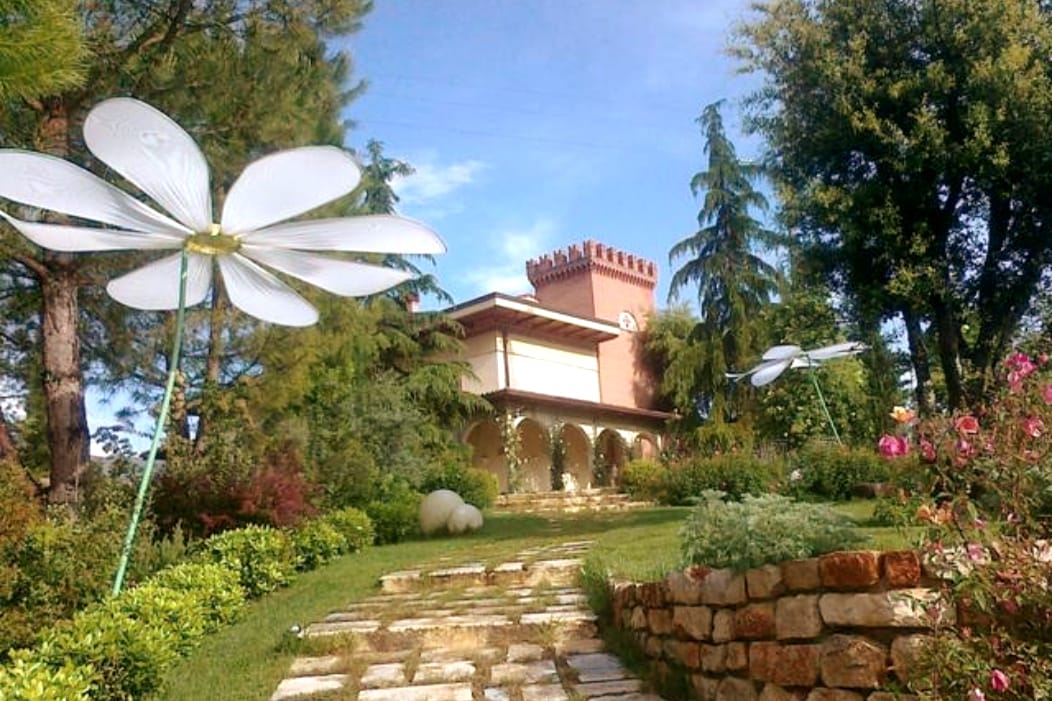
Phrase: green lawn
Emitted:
{"points": [[246, 661]]}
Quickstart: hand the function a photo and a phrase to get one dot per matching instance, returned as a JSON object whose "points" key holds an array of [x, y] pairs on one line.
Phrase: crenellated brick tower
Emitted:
{"points": [[595, 280]]}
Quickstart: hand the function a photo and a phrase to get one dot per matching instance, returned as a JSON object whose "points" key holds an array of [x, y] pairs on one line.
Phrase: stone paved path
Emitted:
{"points": [[519, 631]]}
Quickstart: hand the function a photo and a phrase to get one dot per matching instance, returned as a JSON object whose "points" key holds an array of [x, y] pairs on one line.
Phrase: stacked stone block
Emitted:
{"points": [[841, 627]]}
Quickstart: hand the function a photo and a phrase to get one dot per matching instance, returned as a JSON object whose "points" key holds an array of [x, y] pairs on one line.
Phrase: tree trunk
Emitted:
{"points": [[213, 364], [8, 451], [949, 352], [924, 392], [67, 421]]}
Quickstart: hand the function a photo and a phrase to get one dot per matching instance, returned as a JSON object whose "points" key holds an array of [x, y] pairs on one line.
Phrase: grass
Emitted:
{"points": [[247, 660]]}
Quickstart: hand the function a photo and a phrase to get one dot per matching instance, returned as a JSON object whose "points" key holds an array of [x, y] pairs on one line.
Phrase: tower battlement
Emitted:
{"points": [[591, 255]]}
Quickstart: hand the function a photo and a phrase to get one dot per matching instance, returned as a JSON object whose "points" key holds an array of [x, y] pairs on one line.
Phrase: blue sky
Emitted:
{"points": [[534, 124]]}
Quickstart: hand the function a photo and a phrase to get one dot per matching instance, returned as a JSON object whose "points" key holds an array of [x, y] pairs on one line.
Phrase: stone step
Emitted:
{"points": [[567, 502], [556, 572]]}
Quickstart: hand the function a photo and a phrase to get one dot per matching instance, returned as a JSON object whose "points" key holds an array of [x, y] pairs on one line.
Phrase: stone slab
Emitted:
{"points": [[385, 675], [443, 672], [428, 692], [301, 687], [544, 692]]}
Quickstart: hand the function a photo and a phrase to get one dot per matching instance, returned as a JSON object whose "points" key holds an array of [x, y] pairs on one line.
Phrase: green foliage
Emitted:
{"points": [[897, 512], [761, 530], [734, 282], [475, 486], [644, 479], [735, 475], [262, 556], [59, 566], [217, 588], [595, 581], [832, 472], [904, 153], [43, 50], [17, 504], [315, 543], [395, 512], [34, 680], [354, 526]]}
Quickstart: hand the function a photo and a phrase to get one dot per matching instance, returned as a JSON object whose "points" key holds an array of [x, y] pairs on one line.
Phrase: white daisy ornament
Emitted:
{"points": [[251, 238]]}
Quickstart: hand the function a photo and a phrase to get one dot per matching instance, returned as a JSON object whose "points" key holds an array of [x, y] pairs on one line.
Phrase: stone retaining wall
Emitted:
{"points": [[841, 627]]}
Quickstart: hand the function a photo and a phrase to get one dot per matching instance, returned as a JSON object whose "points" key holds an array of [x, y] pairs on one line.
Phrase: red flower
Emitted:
{"points": [[998, 680], [892, 446], [966, 424], [1046, 393]]}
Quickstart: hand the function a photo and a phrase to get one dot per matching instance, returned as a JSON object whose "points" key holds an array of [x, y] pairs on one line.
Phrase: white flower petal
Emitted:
{"points": [[51, 183], [768, 372], [837, 350], [145, 146], [156, 286], [80, 239], [341, 277], [780, 352], [255, 291], [379, 233], [285, 184]]}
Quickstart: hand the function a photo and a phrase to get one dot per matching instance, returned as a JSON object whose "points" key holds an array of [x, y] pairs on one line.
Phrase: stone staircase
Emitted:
{"points": [[518, 631], [605, 499]]}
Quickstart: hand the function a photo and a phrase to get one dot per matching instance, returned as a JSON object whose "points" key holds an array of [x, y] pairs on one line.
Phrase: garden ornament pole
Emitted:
{"points": [[162, 418], [255, 233], [778, 359]]}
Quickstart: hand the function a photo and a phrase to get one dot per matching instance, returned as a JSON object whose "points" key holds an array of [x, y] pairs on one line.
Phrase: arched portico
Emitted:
{"points": [[487, 450], [577, 461], [645, 446], [613, 453], [535, 457]]}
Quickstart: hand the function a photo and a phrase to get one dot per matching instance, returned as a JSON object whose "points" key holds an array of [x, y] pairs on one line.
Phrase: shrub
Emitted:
{"points": [[734, 475], [217, 588], [125, 655], [761, 530], [833, 472], [33, 680], [19, 508], [354, 526], [315, 543], [262, 557], [644, 479], [476, 487], [395, 514], [595, 581]]}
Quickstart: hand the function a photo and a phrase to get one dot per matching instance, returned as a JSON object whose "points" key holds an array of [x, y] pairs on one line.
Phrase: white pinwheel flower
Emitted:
{"points": [[778, 359], [252, 234]]}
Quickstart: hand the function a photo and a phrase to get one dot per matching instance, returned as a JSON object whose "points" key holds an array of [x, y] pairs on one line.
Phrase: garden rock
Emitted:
{"points": [[465, 518], [436, 508]]}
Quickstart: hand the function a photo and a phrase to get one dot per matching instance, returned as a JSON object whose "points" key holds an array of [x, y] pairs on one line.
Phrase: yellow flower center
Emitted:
{"points": [[213, 242]]}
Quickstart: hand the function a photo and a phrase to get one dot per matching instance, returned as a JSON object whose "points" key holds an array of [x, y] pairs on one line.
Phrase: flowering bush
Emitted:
{"points": [[987, 481]]}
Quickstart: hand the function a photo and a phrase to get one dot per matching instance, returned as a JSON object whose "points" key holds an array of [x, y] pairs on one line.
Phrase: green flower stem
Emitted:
{"points": [[147, 474], [822, 401]]}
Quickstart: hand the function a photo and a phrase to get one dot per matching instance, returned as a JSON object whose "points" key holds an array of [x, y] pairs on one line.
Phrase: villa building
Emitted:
{"points": [[562, 369]]}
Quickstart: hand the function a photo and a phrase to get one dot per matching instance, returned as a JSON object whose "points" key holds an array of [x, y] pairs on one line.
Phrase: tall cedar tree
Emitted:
{"points": [[912, 140], [734, 283], [243, 76], [42, 51]]}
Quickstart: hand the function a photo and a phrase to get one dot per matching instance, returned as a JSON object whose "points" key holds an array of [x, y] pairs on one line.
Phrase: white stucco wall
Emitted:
{"points": [[549, 368]]}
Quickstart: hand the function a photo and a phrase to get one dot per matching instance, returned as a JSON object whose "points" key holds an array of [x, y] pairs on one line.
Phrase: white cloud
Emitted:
{"points": [[505, 270], [433, 181]]}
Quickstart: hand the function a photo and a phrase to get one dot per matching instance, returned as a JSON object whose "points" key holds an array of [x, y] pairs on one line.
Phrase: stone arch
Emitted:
{"points": [[613, 451], [578, 460], [645, 446], [535, 458], [487, 450]]}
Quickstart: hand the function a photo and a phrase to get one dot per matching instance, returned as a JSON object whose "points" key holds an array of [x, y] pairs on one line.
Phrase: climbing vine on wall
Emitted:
{"points": [[558, 455], [512, 442]]}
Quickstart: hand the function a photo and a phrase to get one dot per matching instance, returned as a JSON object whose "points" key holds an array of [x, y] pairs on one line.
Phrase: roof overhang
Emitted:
{"points": [[498, 311], [506, 397]]}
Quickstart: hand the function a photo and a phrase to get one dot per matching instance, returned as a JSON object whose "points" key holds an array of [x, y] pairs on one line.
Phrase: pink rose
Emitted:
{"points": [[976, 695], [1033, 427], [1046, 393], [892, 446], [927, 450], [998, 680], [966, 424]]}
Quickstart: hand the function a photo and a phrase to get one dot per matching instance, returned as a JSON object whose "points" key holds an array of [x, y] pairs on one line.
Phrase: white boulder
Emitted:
{"points": [[436, 508], [463, 519]]}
